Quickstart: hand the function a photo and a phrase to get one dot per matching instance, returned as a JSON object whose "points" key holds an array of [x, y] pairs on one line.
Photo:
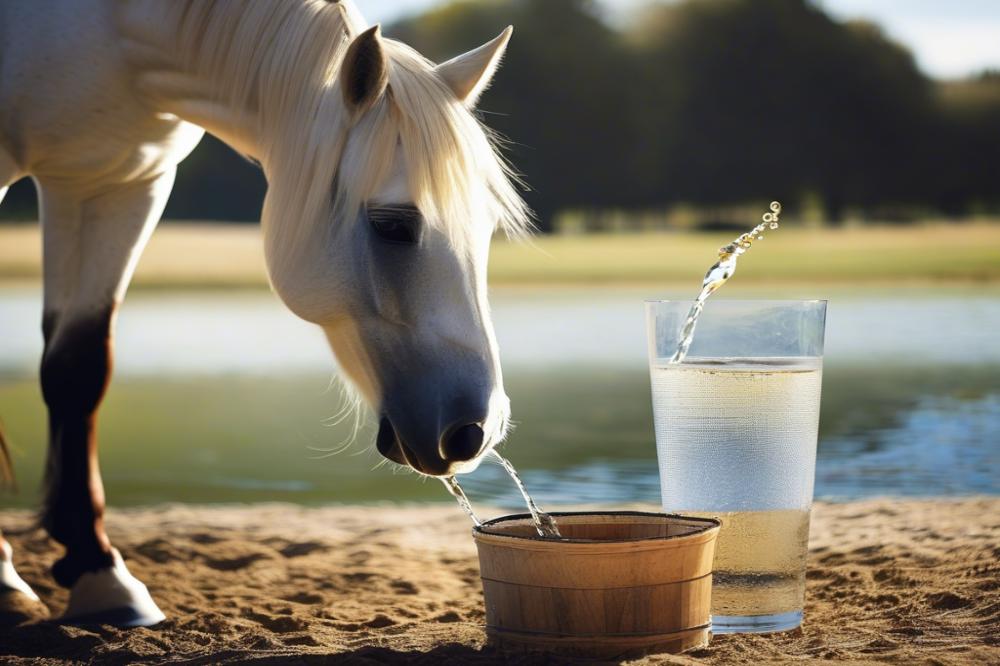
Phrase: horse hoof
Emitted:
{"points": [[111, 596], [18, 602]]}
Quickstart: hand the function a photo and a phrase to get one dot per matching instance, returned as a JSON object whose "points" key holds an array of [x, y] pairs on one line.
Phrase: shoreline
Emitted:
{"points": [[889, 580]]}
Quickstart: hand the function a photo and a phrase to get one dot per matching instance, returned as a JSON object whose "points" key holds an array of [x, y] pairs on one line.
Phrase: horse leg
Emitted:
{"points": [[90, 248], [18, 602]]}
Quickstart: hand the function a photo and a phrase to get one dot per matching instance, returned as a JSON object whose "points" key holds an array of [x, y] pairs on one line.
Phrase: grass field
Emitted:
{"points": [[220, 255]]}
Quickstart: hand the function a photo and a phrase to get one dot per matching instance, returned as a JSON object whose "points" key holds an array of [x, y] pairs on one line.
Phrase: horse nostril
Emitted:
{"points": [[463, 443], [387, 444]]}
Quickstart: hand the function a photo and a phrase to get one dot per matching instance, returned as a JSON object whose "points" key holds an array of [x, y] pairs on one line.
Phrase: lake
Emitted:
{"points": [[225, 396]]}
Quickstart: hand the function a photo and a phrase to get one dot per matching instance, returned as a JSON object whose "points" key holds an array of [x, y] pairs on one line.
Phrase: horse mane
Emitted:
{"points": [[452, 160], [280, 59]]}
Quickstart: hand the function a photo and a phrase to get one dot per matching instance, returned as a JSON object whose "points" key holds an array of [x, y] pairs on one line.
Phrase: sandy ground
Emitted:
{"points": [[889, 581]]}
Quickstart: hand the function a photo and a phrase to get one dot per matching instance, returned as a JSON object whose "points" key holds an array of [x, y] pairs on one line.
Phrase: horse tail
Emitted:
{"points": [[7, 478]]}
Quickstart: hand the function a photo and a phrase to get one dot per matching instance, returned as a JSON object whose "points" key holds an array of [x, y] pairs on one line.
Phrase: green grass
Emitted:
{"points": [[882, 254], [218, 255]]}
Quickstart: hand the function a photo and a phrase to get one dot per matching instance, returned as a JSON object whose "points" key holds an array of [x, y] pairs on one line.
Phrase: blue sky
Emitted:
{"points": [[950, 38]]}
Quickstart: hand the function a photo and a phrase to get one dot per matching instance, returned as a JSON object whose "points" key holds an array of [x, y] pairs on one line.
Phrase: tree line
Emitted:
{"points": [[703, 103]]}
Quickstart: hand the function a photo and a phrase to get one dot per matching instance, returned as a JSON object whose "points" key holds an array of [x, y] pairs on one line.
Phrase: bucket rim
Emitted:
{"points": [[710, 526]]}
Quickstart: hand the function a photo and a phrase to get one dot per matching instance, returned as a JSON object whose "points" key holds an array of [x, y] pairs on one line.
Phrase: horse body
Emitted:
{"points": [[68, 113], [383, 195]]}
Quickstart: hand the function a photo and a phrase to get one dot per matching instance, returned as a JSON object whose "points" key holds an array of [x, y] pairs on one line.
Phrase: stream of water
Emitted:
{"points": [[719, 274]]}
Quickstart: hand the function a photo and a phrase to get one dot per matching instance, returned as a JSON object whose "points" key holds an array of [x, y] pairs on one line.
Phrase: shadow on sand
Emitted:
{"points": [[46, 641]]}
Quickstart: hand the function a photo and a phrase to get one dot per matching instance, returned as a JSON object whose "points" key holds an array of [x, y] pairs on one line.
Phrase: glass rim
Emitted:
{"points": [[760, 301]]}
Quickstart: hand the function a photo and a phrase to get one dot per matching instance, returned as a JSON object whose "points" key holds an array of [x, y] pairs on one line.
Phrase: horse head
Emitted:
{"points": [[392, 263]]}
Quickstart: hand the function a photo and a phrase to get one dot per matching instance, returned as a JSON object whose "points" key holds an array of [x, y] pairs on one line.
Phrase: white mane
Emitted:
{"points": [[452, 162], [277, 62]]}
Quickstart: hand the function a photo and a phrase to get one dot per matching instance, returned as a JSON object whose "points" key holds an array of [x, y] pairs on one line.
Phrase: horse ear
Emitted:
{"points": [[364, 73], [469, 74]]}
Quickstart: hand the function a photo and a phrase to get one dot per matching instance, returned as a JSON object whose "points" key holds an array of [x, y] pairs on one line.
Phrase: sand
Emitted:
{"points": [[905, 582]]}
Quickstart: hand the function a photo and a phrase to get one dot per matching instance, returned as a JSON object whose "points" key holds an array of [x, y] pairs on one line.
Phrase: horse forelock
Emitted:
{"points": [[453, 164]]}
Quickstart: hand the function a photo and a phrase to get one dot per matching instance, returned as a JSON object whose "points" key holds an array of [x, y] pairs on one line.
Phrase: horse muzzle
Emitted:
{"points": [[454, 447]]}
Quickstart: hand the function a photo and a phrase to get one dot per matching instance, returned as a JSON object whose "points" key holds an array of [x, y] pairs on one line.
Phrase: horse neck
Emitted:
{"points": [[256, 75], [244, 71]]}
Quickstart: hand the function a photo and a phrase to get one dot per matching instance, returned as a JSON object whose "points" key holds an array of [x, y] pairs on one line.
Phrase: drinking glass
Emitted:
{"points": [[736, 424]]}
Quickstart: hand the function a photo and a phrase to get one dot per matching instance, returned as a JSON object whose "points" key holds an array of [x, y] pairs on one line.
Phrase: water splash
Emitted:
{"points": [[720, 273], [451, 483], [545, 524]]}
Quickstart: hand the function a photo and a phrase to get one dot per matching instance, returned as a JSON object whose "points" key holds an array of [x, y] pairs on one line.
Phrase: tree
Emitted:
{"points": [[561, 97], [752, 99]]}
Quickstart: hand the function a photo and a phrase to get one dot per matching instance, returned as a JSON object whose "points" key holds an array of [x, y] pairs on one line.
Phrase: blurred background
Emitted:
{"points": [[650, 133]]}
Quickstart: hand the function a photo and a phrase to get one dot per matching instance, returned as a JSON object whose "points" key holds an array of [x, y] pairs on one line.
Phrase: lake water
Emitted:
{"points": [[224, 396]]}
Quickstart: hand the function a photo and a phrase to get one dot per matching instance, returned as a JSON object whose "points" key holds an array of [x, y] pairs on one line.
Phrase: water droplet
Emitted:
{"points": [[760, 238], [775, 206], [773, 225], [767, 217]]}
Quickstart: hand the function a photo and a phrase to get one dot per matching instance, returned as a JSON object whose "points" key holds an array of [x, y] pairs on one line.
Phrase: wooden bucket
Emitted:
{"points": [[619, 584]]}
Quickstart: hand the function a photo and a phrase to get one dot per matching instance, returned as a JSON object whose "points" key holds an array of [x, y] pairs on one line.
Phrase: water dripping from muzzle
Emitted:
{"points": [[451, 483], [545, 524]]}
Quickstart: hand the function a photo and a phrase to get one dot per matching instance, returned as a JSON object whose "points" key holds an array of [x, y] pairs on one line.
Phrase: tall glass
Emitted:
{"points": [[736, 424]]}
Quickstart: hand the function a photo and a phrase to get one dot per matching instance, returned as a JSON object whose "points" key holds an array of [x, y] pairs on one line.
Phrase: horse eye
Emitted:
{"points": [[396, 224]]}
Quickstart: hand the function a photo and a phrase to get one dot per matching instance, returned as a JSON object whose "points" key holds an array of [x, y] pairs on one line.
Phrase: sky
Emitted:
{"points": [[949, 38]]}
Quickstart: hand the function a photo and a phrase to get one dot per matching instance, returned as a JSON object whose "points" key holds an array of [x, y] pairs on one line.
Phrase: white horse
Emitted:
{"points": [[384, 192]]}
